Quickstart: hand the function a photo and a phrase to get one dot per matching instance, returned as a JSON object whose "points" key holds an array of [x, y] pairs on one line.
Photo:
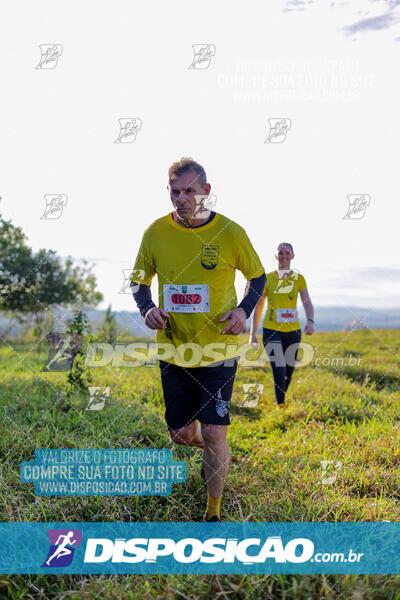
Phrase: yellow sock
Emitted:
{"points": [[213, 507]]}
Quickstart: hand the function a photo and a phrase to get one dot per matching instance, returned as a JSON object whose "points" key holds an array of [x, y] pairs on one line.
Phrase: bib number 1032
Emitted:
{"points": [[186, 298]]}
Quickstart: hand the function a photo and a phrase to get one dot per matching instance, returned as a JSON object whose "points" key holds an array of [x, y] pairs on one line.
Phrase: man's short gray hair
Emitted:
{"points": [[187, 164]]}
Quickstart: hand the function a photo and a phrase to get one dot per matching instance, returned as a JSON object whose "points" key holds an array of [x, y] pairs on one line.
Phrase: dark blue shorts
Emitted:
{"points": [[202, 393]]}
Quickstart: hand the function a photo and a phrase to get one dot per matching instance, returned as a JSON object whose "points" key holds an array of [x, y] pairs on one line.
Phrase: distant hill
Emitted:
{"points": [[130, 322], [327, 318], [337, 318]]}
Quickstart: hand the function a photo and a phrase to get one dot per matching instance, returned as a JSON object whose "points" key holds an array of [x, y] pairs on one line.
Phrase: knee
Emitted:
{"points": [[213, 435], [181, 436]]}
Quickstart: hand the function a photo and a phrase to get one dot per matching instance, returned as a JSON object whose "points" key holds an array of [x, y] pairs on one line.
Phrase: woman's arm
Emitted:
{"points": [[308, 307]]}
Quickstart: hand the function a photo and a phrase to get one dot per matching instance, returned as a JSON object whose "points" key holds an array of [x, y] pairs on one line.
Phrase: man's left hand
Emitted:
{"points": [[237, 321]]}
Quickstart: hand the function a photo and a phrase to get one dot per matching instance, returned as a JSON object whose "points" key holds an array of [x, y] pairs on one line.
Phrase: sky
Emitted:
{"points": [[326, 72]]}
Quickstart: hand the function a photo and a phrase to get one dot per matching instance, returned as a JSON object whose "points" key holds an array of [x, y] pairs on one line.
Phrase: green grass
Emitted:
{"points": [[335, 412]]}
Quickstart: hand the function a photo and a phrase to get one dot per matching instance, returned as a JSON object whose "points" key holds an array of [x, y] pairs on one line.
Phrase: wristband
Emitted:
{"points": [[312, 321], [147, 307]]}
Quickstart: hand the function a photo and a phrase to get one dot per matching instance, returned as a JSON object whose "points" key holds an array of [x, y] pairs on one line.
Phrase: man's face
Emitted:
{"points": [[183, 190]]}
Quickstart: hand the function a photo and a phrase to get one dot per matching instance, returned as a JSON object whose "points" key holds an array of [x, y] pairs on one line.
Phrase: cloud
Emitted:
{"points": [[372, 24], [376, 22], [297, 5], [380, 273], [364, 286]]}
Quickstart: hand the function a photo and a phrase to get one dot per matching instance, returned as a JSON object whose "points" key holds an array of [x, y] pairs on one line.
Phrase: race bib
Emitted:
{"points": [[286, 315], [186, 298]]}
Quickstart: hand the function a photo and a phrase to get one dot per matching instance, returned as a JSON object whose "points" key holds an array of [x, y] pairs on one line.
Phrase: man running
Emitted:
{"points": [[195, 253]]}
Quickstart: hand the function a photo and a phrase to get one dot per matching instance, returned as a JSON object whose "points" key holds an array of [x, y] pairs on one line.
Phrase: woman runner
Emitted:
{"points": [[281, 326]]}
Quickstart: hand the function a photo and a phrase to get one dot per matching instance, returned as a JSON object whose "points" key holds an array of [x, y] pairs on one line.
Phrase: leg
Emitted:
{"points": [[189, 435], [289, 338], [201, 393], [182, 405], [216, 457], [273, 347], [217, 385]]}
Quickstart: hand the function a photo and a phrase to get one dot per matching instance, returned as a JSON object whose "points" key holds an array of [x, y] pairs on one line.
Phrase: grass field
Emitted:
{"points": [[337, 412]]}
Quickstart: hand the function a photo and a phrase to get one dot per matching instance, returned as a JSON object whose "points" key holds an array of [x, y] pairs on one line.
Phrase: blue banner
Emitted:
{"points": [[201, 548]]}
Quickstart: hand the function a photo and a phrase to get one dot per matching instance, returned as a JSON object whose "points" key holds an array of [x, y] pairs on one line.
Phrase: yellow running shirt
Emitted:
{"points": [[196, 273], [281, 312]]}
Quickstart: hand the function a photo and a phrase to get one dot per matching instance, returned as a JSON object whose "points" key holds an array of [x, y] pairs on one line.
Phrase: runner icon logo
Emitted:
{"points": [[50, 53], [98, 397], [63, 543], [203, 54], [251, 394], [63, 349], [358, 204], [55, 203], [128, 129], [287, 278], [278, 129]]}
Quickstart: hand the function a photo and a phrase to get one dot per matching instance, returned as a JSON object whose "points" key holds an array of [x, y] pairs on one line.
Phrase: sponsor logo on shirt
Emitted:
{"points": [[209, 256]]}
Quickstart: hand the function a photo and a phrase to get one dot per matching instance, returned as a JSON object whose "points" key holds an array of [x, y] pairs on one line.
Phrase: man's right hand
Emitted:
{"points": [[154, 318]]}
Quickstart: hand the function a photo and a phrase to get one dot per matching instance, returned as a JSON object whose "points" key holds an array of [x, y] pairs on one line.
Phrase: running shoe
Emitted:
{"points": [[213, 519]]}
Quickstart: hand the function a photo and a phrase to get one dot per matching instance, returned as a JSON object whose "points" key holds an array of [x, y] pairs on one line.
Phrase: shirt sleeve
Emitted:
{"points": [[252, 294], [143, 299], [302, 283], [247, 259], [265, 291], [144, 268]]}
